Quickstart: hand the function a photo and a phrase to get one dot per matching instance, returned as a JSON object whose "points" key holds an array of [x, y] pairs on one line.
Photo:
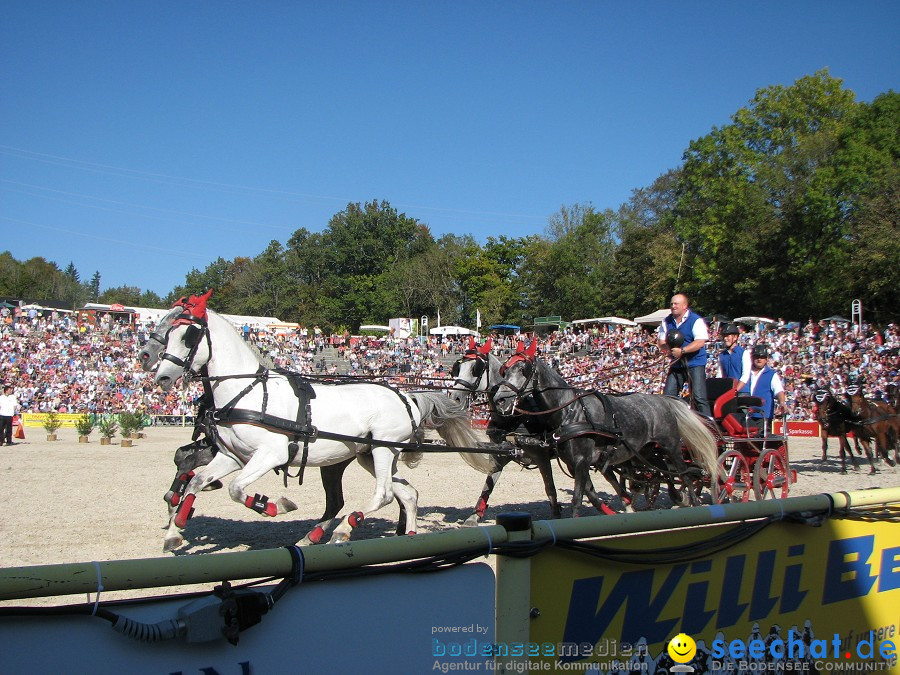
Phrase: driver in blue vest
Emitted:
{"points": [[765, 383], [734, 360], [684, 335]]}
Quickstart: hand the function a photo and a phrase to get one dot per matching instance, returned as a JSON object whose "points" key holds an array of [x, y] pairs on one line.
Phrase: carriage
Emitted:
{"points": [[753, 459]]}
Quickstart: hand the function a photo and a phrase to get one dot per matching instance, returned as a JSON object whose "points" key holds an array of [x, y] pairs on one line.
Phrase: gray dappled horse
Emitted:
{"points": [[477, 372], [596, 431]]}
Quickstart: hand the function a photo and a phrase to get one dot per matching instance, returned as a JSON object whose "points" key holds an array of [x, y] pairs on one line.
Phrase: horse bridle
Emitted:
{"points": [[481, 362], [193, 336], [519, 391]]}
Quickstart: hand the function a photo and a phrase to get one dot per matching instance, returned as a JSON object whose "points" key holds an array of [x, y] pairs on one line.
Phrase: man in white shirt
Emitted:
{"points": [[684, 334], [765, 383], [9, 406]]}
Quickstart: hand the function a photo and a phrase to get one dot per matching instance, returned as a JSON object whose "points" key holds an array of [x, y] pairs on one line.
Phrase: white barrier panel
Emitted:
{"points": [[380, 624], [842, 565]]}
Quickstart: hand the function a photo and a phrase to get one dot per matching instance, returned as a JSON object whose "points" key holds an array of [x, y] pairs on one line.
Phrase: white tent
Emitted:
{"points": [[373, 328], [653, 319], [615, 320], [754, 319], [451, 330]]}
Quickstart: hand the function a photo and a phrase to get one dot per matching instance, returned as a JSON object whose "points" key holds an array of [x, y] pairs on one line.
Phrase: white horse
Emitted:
{"points": [[261, 423], [200, 453]]}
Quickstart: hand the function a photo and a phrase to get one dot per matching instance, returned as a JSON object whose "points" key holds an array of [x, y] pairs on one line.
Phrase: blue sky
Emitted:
{"points": [[141, 139]]}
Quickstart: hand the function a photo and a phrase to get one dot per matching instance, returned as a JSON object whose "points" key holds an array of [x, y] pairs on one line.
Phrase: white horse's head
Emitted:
{"points": [[149, 354], [471, 373], [187, 347]]}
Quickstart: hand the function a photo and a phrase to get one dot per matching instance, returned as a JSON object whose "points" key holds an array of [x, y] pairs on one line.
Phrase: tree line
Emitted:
{"points": [[790, 210]]}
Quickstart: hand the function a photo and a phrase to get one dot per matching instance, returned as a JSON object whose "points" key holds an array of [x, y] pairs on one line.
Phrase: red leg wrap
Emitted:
{"points": [[356, 518], [179, 487], [261, 504], [608, 511], [411, 533], [316, 534], [185, 511], [481, 507]]}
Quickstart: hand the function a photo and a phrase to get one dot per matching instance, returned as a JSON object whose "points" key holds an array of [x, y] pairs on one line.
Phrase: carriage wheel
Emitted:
{"points": [[734, 481], [688, 490], [770, 477]]}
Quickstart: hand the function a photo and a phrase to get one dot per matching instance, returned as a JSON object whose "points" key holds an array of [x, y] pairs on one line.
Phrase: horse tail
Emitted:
{"points": [[454, 425], [697, 437]]}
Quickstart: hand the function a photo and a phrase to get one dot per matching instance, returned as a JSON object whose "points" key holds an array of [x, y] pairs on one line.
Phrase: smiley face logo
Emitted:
{"points": [[682, 648]]}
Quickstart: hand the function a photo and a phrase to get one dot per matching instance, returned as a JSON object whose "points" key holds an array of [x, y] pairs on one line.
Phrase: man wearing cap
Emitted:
{"points": [[765, 382], [684, 335], [734, 361]]}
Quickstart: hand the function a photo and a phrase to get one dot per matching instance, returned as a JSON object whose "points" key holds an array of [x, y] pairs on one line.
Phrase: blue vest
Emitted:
{"points": [[732, 363], [687, 329], [763, 389]]}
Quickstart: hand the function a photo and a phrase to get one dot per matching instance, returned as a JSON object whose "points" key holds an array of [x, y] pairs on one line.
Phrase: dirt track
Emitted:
{"points": [[72, 502]]}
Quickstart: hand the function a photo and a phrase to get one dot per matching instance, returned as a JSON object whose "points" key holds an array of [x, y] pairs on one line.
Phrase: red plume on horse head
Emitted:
{"points": [[485, 349], [530, 351], [195, 305]]}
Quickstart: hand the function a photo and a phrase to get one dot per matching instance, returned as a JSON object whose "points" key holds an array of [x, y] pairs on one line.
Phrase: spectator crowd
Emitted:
{"points": [[56, 362]]}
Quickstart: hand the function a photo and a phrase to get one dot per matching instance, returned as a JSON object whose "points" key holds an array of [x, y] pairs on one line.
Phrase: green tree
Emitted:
{"points": [[647, 259], [868, 164], [94, 288], [759, 206], [578, 266], [263, 287], [123, 295]]}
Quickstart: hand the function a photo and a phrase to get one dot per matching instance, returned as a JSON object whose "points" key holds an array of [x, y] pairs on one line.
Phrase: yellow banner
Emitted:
{"points": [[37, 419], [832, 589]]}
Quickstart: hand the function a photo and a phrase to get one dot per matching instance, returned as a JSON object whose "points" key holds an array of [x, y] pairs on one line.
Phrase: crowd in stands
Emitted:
{"points": [[57, 362]]}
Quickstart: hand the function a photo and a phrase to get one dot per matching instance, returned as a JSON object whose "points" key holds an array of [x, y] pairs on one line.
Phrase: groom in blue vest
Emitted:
{"points": [[684, 335]]}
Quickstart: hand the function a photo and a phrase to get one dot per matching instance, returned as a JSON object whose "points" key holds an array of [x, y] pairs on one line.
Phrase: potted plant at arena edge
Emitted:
{"points": [[140, 421], [128, 425], [52, 423], [85, 425], [108, 427]]}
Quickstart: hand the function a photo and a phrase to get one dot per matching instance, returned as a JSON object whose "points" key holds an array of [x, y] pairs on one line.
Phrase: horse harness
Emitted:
{"points": [[854, 390], [298, 429], [836, 413], [609, 428]]}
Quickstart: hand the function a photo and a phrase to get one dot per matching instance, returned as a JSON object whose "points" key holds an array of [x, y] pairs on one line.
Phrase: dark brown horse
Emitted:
{"points": [[877, 421], [836, 419]]}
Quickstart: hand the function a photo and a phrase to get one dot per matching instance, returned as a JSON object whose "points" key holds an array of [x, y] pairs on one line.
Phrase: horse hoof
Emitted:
{"points": [[341, 538], [172, 543], [471, 521], [285, 505]]}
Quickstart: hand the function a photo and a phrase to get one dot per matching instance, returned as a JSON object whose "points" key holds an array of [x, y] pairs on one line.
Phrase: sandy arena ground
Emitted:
{"points": [[72, 502]]}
